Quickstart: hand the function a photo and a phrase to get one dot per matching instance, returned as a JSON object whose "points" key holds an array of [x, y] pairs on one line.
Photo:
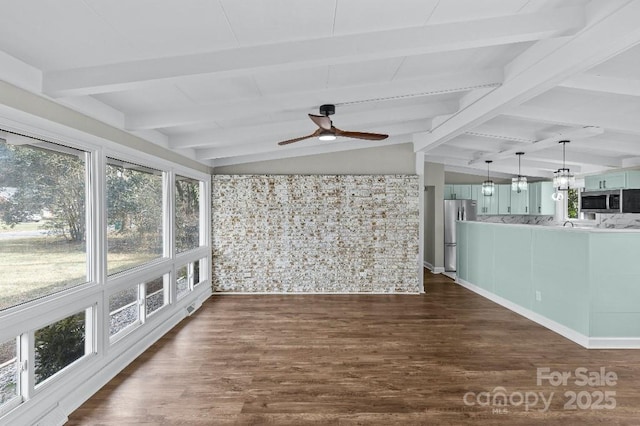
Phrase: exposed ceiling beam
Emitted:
{"points": [[603, 84], [279, 130], [256, 148], [344, 145], [597, 117], [229, 110], [544, 66], [531, 161], [318, 52], [526, 170], [575, 158], [232, 110], [540, 145]]}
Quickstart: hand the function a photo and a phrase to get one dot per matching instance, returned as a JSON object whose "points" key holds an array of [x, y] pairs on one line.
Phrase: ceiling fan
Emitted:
{"points": [[327, 132]]}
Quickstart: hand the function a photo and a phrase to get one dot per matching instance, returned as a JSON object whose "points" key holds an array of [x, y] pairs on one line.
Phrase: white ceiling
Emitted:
{"points": [[464, 80]]}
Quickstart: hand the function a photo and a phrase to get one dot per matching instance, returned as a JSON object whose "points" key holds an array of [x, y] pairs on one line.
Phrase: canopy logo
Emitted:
{"points": [[500, 400]]}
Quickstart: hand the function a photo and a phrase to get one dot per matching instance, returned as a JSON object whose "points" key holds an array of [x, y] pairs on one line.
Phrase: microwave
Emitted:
{"points": [[601, 201], [631, 201], [614, 201]]}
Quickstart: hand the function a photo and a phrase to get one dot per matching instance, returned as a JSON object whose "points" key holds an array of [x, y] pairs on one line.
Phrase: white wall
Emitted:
{"points": [[386, 160], [464, 178], [434, 214]]}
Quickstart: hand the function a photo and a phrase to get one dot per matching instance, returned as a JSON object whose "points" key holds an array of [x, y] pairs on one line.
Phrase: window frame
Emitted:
{"points": [[89, 156], [22, 320], [201, 188], [18, 398], [164, 175]]}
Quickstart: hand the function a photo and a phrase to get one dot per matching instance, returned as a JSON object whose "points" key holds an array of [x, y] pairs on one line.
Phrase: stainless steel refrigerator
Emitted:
{"points": [[455, 210]]}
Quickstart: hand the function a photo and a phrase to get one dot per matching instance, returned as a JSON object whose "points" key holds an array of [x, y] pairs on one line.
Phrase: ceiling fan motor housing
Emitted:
{"points": [[327, 109]]}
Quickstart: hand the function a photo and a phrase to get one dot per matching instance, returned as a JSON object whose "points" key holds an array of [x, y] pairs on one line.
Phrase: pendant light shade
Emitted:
{"points": [[519, 183], [487, 186], [562, 178]]}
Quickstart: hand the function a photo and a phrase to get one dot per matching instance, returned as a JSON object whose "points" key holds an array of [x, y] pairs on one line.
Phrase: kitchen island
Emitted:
{"points": [[583, 283]]}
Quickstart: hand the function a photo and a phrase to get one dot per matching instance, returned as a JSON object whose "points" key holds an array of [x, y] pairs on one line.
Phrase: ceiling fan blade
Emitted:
{"points": [[361, 135], [287, 142], [321, 121]]}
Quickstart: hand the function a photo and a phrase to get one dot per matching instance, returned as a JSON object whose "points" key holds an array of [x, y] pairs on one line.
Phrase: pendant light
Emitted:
{"points": [[487, 186], [562, 178], [519, 183]]}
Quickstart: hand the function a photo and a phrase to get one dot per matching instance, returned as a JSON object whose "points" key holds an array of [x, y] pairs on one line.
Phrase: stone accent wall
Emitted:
{"points": [[315, 233]]}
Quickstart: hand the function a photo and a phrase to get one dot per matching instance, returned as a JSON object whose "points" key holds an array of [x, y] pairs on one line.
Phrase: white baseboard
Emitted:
{"points": [[433, 269], [304, 293], [564, 331], [450, 274], [614, 343]]}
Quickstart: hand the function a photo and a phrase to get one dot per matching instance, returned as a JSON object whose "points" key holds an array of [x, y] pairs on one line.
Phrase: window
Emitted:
{"points": [[188, 277], [182, 281], [51, 202], [8, 373], [123, 310], [196, 272], [134, 215], [572, 203], [156, 294], [58, 345], [187, 214], [42, 219]]}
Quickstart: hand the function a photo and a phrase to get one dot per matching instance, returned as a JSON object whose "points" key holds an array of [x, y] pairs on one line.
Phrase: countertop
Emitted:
{"points": [[568, 228]]}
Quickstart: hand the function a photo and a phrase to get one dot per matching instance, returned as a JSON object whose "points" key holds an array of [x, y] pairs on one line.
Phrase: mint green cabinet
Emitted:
{"points": [[504, 199], [520, 202], [476, 194], [608, 181], [486, 204], [490, 204], [463, 192], [540, 201], [617, 180], [457, 192], [448, 192]]}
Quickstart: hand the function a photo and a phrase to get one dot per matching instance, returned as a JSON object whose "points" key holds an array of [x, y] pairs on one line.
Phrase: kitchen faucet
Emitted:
{"points": [[568, 221]]}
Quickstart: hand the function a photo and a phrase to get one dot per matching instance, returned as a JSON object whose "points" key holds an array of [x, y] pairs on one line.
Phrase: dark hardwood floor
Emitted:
{"points": [[364, 360]]}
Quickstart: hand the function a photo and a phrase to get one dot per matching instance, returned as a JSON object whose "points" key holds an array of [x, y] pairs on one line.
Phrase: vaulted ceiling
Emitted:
{"points": [[464, 80]]}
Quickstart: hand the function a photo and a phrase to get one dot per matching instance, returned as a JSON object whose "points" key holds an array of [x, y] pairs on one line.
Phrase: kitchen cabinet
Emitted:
{"points": [[520, 202], [617, 180], [457, 192], [540, 201], [448, 192], [476, 194], [486, 204], [504, 199]]}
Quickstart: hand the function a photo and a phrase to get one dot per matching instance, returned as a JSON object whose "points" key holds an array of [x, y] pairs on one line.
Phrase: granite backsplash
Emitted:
{"points": [[618, 220], [615, 221], [521, 220]]}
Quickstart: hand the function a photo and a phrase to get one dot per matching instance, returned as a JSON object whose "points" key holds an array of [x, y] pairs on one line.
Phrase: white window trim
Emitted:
{"points": [[22, 320]]}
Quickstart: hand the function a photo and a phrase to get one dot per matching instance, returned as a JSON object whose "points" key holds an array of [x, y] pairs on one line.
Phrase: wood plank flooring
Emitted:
{"points": [[362, 360]]}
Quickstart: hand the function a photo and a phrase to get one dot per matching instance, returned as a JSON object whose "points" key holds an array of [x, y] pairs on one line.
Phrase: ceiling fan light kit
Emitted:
{"points": [[326, 135], [328, 132]]}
